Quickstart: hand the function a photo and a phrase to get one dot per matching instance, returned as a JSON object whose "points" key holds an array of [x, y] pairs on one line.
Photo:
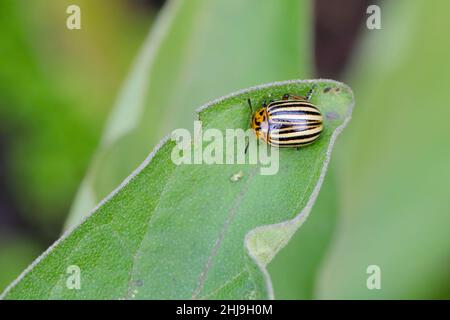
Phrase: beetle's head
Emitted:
{"points": [[259, 123]]}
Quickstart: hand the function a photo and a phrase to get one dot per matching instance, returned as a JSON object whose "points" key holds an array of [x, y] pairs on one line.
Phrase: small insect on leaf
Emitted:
{"points": [[292, 121]]}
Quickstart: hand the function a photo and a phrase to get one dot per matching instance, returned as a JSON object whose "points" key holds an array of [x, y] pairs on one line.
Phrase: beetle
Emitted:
{"points": [[292, 121]]}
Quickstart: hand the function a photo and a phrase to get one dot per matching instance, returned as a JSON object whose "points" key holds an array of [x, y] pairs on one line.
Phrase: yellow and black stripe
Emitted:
{"points": [[293, 123]]}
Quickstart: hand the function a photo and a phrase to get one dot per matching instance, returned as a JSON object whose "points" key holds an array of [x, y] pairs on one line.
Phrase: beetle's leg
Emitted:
{"points": [[247, 143], [311, 91], [264, 103]]}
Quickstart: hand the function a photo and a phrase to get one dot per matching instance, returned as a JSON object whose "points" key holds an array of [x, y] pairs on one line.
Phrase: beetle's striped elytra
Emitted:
{"points": [[292, 121]]}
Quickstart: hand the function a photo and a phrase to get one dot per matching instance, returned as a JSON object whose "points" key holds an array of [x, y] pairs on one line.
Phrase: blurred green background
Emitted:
{"points": [[385, 199]]}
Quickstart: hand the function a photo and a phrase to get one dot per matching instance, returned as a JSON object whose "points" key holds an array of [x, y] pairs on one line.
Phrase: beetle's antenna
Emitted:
{"points": [[250, 105], [251, 110]]}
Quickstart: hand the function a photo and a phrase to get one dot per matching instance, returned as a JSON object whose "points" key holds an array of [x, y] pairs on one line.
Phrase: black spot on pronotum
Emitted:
{"points": [[327, 89]]}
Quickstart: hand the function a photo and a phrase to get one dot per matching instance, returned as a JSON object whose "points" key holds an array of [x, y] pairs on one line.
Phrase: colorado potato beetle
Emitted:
{"points": [[292, 121]]}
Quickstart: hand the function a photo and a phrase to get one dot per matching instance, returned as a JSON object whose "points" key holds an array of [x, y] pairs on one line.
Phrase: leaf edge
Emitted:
{"points": [[303, 214]]}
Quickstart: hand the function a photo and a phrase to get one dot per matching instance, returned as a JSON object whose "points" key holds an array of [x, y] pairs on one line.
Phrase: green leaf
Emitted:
{"points": [[394, 163], [189, 231], [196, 51], [295, 269]]}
